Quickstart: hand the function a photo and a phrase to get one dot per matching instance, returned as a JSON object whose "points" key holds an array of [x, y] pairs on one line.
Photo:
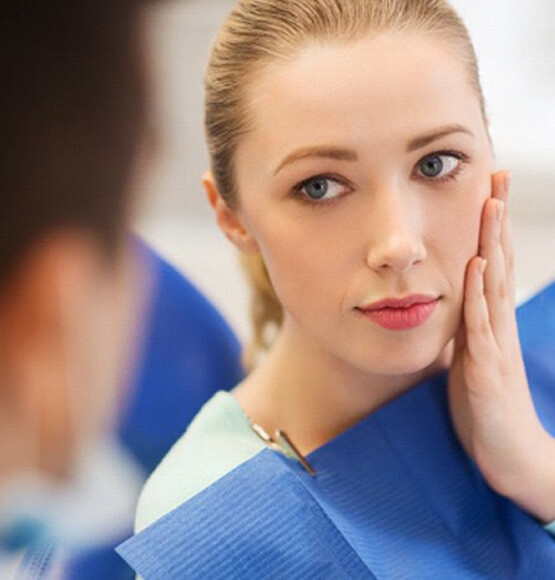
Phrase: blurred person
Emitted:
{"points": [[73, 119]]}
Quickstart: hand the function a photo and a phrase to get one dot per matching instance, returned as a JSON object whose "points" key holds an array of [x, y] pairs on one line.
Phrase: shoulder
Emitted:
{"points": [[218, 440]]}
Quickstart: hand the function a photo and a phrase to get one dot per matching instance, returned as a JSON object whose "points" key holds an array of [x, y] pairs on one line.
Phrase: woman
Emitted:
{"points": [[352, 165]]}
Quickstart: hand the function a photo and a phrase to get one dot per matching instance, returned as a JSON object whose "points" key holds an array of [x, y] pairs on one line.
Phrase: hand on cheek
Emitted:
{"points": [[489, 397]]}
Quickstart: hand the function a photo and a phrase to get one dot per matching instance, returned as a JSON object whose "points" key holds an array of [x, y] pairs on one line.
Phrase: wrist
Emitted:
{"points": [[532, 485]]}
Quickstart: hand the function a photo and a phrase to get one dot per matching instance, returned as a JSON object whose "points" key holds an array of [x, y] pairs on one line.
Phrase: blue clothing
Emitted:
{"points": [[189, 353], [395, 496]]}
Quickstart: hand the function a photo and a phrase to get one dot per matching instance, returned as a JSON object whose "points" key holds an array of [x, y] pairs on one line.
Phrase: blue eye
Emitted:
{"points": [[321, 188], [439, 165]]}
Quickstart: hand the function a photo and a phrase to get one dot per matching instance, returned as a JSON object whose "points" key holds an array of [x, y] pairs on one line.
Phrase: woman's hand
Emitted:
{"points": [[489, 397]]}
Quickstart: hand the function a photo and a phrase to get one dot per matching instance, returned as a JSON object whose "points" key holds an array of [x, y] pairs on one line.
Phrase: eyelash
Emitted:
{"points": [[463, 161], [297, 189]]}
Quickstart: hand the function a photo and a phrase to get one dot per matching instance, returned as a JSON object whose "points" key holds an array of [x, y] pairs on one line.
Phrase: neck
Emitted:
{"points": [[312, 395]]}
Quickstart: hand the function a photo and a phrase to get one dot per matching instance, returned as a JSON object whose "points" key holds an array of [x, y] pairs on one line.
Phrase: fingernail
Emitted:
{"points": [[499, 210]]}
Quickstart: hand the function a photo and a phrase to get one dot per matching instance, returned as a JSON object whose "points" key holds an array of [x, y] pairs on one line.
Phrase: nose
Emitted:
{"points": [[396, 243]]}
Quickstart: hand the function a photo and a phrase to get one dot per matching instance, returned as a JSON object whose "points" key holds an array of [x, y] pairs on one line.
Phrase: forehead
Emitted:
{"points": [[377, 89]]}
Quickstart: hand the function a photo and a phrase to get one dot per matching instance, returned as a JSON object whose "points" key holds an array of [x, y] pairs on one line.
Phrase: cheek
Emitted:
{"points": [[307, 264], [456, 233]]}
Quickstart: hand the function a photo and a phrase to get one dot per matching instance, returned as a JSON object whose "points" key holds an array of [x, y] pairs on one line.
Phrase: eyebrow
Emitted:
{"points": [[325, 152], [339, 154], [423, 140]]}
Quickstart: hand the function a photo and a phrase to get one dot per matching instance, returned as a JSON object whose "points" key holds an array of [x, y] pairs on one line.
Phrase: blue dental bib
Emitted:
{"points": [[394, 497]]}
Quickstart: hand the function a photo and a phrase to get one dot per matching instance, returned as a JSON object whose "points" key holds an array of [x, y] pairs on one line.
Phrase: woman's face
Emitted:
{"points": [[363, 179]]}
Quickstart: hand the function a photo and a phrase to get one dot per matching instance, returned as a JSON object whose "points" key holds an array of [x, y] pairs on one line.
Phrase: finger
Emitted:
{"points": [[495, 280], [500, 182], [500, 190], [459, 341], [460, 338], [479, 334]]}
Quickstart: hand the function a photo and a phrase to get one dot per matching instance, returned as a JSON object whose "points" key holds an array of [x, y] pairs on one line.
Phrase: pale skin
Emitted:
{"points": [[367, 121], [490, 400]]}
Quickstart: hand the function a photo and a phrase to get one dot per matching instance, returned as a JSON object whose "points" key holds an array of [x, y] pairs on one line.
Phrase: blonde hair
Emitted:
{"points": [[260, 32]]}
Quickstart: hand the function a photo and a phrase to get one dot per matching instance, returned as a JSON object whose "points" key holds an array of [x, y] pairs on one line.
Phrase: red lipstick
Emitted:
{"points": [[401, 313]]}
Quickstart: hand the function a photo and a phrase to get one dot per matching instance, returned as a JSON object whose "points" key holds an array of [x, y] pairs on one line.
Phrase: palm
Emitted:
{"points": [[489, 398]]}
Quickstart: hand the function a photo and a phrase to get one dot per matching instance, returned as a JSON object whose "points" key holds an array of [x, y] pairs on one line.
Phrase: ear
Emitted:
{"points": [[229, 220]]}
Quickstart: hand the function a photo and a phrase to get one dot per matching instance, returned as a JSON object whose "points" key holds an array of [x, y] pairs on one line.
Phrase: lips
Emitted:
{"points": [[401, 313]]}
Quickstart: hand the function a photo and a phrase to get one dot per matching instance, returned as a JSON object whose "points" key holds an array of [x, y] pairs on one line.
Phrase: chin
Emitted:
{"points": [[415, 359], [401, 368]]}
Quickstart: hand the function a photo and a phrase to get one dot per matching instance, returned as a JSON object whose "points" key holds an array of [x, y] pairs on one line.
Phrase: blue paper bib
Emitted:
{"points": [[395, 497]]}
